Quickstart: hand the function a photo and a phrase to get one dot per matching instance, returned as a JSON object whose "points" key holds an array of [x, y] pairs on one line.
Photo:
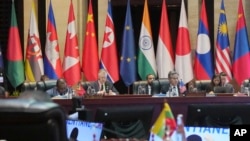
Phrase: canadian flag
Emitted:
{"points": [[71, 63]]}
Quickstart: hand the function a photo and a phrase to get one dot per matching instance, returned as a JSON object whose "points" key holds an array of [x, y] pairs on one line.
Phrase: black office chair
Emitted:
{"points": [[31, 120], [45, 85], [136, 84]]}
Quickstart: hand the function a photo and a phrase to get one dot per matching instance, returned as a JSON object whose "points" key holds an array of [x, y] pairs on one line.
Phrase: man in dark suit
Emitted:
{"points": [[224, 83], [150, 78], [172, 88], [102, 86]]}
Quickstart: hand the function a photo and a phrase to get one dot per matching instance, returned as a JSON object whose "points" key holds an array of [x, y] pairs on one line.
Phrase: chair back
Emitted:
{"points": [[28, 86], [86, 84], [136, 84], [160, 85], [202, 85], [45, 85]]}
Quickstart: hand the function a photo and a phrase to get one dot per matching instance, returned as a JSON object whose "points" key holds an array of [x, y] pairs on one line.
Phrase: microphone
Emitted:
{"points": [[89, 88], [106, 87]]}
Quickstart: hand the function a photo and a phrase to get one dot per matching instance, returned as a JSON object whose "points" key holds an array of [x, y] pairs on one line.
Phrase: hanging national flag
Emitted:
{"points": [[15, 64], [203, 65], [223, 59], [71, 63], [164, 53], [128, 58], [146, 54], [52, 62], [183, 58], [1, 58], [90, 59], [241, 57], [109, 54], [34, 60], [165, 121]]}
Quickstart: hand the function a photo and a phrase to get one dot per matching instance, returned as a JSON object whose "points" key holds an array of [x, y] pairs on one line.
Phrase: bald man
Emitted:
{"points": [[61, 89]]}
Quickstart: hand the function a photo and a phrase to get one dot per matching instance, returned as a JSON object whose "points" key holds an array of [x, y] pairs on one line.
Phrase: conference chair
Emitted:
{"points": [[31, 120], [45, 85], [160, 86], [201, 85], [28, 86], [246, 83], [86, 84], [136, 85]]}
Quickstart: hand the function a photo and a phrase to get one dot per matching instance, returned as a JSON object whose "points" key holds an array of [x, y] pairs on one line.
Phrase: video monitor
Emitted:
{"points": [[78, 130], [125, 121], [218, 115]]}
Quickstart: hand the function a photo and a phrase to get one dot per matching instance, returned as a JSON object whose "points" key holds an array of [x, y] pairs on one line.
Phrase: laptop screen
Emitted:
{"points": [[78, 130]]}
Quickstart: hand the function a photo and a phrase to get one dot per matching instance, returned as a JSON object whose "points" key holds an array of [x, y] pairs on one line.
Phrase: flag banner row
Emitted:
{"points": [[134, 59]]}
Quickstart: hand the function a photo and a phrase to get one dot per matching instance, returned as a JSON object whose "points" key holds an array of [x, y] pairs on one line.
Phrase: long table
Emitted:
{"points": [[178, 105]]}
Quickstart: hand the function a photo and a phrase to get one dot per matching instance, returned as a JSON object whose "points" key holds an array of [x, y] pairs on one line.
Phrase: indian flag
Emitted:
{"points": [[146, 54], [164, 122]]}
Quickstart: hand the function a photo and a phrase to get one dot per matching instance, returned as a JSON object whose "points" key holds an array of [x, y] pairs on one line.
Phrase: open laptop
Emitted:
{"points": [[222, 90], [78, 130]]}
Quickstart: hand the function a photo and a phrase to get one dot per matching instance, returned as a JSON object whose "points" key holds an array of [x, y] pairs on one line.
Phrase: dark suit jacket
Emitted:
{"points": [[152, 89], [108, 86], [166, 88]]}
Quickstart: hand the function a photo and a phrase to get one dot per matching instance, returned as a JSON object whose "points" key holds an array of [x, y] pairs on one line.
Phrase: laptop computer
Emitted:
{"points": [[221, 90], [78, 130]]}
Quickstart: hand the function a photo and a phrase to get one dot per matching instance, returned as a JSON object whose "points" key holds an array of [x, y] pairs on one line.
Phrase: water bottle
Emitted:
{"points": [[139, 91], [242, 88], [180, 133], [1, 79], [246, 91], [70, 94], [89, 90]]}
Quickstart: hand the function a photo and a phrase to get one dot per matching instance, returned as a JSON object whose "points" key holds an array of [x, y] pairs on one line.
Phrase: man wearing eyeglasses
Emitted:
{"points": [[173, 88]]}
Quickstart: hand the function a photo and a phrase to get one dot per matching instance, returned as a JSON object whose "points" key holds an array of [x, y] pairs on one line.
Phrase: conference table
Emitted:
{"points": [[178, 105]]}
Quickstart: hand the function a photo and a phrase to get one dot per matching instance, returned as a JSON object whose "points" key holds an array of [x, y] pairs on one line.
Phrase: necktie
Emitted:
{"points": [[175, 93]]}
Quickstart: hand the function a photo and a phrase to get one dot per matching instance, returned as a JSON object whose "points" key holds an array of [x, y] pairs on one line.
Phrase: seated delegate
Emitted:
{"points": [[102, 86], [173, 88], [215, 82], [224, 82], [61, 89]]}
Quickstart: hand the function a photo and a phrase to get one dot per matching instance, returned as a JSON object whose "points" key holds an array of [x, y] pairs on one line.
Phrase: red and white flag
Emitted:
{"points": [[71, 63], [164, 54], [109, 59], [183, 58], [222, 55]]}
